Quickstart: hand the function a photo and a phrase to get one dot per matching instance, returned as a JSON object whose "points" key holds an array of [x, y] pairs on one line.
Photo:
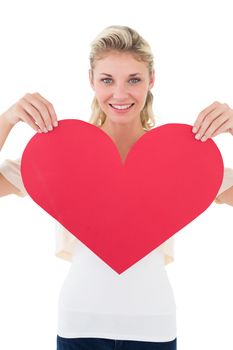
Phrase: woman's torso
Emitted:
{"points": [[96, 301]]}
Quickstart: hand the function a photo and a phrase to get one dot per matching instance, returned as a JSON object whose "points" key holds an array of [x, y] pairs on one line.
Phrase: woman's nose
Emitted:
{"points": [[120, 91]]}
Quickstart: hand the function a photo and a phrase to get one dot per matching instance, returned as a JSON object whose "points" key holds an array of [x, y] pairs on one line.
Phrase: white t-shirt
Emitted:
{"points": [[137, 304], [95, 301]]}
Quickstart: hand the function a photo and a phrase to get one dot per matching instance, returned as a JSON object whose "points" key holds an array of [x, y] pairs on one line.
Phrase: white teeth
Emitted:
{"points": [[121, 107]]}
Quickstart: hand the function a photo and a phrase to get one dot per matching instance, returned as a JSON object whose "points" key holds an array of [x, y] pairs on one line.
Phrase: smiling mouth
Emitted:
{"points": [[121, 107]]}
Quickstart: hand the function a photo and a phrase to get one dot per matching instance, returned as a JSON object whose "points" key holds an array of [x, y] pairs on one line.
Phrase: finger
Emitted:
{"points": [[29, 120], [50, 108], [223, 128], [214, 127], [211, 122], [41, 107], [215, 116], [203, 114], [32, 113]]}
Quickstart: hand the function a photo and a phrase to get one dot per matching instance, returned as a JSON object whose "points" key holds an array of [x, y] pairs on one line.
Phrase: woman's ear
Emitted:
{"points": [[152, 79], [91, 79]]}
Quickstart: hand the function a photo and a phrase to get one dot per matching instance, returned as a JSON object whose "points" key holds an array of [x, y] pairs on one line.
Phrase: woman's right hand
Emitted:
{"points": [[34, 110]]}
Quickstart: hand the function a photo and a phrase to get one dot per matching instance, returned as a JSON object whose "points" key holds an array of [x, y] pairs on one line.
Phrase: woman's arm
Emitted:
{"points": [[5, 128], [6, 187], [212, 121], [226, 197], [39, 114]]}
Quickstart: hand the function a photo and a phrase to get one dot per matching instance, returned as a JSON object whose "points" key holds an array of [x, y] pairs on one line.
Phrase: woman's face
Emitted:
{"points": [[121, 84]]}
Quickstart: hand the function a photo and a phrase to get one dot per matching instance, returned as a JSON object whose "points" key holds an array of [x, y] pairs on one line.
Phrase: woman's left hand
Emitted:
{"points": [[213, 120]]}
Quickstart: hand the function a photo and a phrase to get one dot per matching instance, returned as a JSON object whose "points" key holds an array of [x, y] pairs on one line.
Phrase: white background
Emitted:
{"points": [[45, 47]]}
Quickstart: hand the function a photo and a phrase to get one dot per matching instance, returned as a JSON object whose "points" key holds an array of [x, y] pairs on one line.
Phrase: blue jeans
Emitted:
{"points": [[111, 344]]}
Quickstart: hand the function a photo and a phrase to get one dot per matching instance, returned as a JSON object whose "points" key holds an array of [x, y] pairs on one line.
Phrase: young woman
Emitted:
{"points": [[98, 308]]}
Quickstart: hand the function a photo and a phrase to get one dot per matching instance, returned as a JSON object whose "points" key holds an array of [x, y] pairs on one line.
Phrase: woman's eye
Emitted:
{"points": [[104, 80], [107, 81], [135, 80]]}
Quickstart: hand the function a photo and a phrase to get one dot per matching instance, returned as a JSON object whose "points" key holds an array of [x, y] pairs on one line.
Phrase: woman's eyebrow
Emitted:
{"points": [[130, 75]]}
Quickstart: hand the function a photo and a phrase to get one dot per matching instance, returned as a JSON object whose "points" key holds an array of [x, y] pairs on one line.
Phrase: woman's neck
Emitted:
{"points": [[123, 139]]}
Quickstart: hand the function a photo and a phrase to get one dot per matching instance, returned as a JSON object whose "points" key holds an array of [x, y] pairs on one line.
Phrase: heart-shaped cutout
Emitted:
{"points": [[121, 210]]}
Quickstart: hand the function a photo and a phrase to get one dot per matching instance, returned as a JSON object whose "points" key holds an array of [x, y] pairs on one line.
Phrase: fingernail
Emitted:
{"points": [[203, 138], [55, 123], [194, 129], [45, 130], [50, 127], [197, 136]]}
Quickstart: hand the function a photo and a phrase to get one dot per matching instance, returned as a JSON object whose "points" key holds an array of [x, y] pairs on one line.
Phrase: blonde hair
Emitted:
{"points": [[122, 39]]}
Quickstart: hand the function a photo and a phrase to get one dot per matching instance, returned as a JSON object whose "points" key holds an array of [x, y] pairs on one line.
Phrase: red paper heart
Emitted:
{"points": [[121, 210]]}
